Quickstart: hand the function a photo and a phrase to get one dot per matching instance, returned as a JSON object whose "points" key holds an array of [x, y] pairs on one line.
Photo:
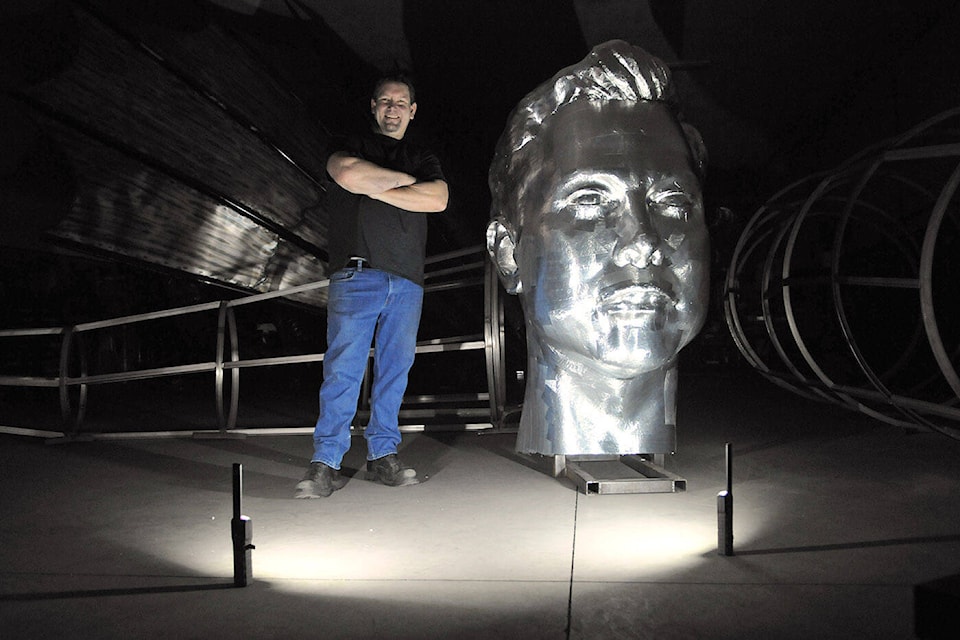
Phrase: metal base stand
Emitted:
{"points": [[635, 473]]}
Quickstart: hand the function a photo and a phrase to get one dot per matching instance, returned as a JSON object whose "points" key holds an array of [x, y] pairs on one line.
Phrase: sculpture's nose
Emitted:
{"points": [[638, 243]]}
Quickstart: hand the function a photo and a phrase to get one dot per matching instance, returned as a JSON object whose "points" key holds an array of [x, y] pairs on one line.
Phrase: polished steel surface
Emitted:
{"points": [[598, 226]]}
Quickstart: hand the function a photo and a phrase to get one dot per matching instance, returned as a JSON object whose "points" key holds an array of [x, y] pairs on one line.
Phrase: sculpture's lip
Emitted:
{"points": [[632, 296]]}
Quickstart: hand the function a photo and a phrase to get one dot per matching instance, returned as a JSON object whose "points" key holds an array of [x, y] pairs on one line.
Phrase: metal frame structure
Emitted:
{"points": [[807, 278]]}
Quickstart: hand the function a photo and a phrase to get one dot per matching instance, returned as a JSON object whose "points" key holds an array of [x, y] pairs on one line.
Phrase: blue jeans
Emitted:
{"points": [[364, 303]]}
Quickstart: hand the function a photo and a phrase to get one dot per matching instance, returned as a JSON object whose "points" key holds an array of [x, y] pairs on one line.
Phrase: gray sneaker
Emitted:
{"points": [[319, 481], [390, 472]]}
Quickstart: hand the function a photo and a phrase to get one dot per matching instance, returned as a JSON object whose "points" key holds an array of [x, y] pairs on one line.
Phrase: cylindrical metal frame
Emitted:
{"points": [[766, 273]]}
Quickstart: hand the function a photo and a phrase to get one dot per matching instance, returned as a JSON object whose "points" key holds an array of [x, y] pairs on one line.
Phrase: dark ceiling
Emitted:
{"points": [[188, 135]]}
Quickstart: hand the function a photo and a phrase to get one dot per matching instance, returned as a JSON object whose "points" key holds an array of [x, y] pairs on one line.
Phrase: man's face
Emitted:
{"points": [[392, 109], [614, 242]]}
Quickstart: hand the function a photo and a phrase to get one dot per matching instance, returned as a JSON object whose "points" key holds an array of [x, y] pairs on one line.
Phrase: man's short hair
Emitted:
{"points": [[399, 76]]}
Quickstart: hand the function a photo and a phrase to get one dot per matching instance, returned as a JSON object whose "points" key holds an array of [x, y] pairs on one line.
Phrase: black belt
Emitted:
{"points": [[357, 263]]}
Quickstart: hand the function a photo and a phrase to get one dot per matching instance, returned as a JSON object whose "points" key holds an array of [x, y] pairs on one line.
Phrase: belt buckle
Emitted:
{"points": [[357, 262]]}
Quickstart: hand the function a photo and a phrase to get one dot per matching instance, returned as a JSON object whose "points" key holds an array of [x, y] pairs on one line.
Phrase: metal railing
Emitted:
{"points": [[444, 272]]}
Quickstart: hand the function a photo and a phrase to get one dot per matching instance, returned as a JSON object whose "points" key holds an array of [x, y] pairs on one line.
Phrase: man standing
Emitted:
{"points": [[382, 189]]}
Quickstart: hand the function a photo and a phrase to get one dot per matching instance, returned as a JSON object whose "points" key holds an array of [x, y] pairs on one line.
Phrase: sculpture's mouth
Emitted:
{"points": [[631, 297]]}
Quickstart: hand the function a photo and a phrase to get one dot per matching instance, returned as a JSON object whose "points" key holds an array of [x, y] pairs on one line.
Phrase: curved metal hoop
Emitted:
{"points": [[227, 330], [493, 340], [72, 420]]}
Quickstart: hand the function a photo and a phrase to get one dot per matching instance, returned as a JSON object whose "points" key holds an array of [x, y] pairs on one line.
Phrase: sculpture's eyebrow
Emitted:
{"points": [[672, 191], [673, 185], [598, 180], [669, 194]]}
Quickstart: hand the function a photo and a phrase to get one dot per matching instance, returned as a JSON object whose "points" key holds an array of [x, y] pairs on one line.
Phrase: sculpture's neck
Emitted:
{"points": [[581, 410]]}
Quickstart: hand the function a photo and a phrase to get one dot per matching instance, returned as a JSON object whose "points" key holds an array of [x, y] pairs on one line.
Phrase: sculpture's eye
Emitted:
{"points": [[675, 205], [590, 204]]}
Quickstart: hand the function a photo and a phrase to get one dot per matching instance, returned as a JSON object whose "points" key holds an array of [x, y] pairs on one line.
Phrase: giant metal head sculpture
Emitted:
{"points": [[598, 226]]}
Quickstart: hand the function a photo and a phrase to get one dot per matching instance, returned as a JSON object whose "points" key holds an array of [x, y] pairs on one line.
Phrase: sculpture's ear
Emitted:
{"points": [[502, 246]]}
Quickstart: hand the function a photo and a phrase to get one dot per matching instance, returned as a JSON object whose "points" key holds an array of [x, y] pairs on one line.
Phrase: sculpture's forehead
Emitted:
{"points": [[584, 135]]}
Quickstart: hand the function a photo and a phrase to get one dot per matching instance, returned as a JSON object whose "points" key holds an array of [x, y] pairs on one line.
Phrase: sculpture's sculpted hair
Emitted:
{"points": [[613, 71]]}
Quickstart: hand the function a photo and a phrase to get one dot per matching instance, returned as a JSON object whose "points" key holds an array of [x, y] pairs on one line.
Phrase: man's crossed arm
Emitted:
{"points": [[396, 188]]}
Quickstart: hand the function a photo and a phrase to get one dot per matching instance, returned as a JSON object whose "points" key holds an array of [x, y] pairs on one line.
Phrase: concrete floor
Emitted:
{"points": [[837, 518]]}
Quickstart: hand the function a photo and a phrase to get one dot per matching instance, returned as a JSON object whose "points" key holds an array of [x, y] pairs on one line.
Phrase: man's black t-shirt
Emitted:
{"points": [[392, 239]]}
